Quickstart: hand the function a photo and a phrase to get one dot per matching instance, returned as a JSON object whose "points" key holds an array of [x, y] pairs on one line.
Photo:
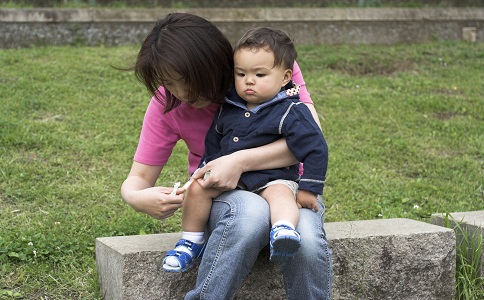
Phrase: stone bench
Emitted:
{"points": [[470, 224], [374, 259]]}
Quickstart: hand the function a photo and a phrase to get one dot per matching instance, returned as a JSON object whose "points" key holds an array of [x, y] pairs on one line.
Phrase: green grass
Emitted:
{"points": [[469, 253], [405, 127]]}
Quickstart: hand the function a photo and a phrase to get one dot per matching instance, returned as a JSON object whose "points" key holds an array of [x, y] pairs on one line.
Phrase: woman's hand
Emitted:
{"points": [[139, 192], [306, 199], [224, 173], [156, 202]]}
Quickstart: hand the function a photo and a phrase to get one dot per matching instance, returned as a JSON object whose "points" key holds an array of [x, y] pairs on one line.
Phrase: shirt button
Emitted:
{"points": [[247, 114], [235, 139]]}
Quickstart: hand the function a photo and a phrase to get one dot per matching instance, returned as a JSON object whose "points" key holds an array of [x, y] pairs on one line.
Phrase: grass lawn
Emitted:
{"points": [[404, 123]]}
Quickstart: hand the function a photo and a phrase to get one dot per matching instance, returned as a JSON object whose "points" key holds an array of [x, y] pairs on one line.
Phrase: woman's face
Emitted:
{"points": [[179, 88]]}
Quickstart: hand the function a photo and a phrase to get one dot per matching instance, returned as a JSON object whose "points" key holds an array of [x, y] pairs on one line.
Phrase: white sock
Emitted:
{"points": [[284, 222], [195, 237], [285, 231]]}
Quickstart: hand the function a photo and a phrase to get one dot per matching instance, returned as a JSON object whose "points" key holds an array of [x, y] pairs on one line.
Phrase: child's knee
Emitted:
{"points": [[196, 189]]}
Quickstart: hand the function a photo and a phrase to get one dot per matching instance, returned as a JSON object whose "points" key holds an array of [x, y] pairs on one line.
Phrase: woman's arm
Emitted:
{"points": [[314, 113], [226, 170], [139, 192]]}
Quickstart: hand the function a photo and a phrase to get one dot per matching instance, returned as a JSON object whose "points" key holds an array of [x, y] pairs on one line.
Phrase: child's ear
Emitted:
{"points": [[287, 77]]}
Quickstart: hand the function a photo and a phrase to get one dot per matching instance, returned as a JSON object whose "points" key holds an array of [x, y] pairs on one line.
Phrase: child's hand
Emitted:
{"points": [[306, 199]]}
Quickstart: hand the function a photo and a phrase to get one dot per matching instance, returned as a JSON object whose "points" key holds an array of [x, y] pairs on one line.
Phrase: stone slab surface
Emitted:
{"points": [[473, 218], [307, 26], [392, 259], [470, 223], [376, 259], [129, 268], [48, 15]]}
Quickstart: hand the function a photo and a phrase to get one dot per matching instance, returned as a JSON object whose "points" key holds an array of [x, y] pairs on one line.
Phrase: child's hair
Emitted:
{"points": [[192, 47], [272, 39]]}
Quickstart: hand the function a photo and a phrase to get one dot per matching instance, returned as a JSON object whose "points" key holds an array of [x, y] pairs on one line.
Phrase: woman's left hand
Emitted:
{"points": [[224, 173]]}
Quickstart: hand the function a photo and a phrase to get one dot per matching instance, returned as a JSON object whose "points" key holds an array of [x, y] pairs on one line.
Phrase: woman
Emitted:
{"points": [[187, 64]]}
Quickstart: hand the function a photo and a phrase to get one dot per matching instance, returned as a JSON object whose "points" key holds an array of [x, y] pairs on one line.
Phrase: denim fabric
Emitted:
{"points": [[310, 274], [239, 227]]}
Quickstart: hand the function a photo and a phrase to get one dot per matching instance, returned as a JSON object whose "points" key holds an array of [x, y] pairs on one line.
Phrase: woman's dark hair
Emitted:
{"points": [[276, 40], [192, 47]]}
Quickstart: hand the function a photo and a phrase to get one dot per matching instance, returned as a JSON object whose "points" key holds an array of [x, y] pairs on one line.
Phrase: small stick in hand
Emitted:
{"points": [[175, 188]]}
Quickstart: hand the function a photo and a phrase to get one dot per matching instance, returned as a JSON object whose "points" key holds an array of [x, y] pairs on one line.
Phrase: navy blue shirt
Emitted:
{"points": [[235, 128]]}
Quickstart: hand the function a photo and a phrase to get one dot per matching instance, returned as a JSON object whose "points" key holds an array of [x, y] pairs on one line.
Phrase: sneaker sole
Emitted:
{"points": [[176, 270], [284, 248]]}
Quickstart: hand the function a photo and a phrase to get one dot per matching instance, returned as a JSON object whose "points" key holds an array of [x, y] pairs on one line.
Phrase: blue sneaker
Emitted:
{"points": [[285, 242], [185, 260]]}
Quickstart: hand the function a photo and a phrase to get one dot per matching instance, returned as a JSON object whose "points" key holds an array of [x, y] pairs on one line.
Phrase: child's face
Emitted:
{"points": [[179, 88], [256, 78]]}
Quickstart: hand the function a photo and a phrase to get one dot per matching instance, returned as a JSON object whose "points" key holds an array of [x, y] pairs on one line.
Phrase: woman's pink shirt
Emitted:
{"points": [[161, 131]]}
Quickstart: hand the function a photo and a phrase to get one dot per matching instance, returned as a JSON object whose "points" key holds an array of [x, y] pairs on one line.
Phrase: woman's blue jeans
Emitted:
{"points": [[239, 228]]}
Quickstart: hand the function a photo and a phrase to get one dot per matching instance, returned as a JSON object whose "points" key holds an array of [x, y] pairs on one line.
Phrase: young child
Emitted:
{"points": [[263, 107]]}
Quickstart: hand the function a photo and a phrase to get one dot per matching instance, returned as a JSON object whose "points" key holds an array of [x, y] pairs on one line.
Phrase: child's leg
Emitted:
{"points": [[196, 210], [284, 239], [282, 203], [196, 207]]}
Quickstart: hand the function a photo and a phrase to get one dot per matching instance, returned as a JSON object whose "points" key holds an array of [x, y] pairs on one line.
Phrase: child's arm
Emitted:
{"points": [[308, 145]]}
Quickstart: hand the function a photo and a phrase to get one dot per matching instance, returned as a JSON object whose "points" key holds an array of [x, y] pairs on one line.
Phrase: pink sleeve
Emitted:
{"points": [[298, 78], [303, 94], [157, 138]]}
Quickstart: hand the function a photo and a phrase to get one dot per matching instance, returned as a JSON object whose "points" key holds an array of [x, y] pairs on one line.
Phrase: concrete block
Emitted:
{"points": [[470, 224], [129, 268], [376, 259], [469, 34], [392, 259], [306, 25]]}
